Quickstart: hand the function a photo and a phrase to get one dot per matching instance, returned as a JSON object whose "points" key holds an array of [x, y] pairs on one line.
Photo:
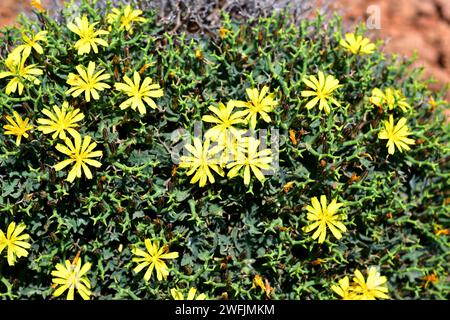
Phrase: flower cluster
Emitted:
{"points": [[233, 148], [356, 44], [389, 99], [88, 81], [228, 149], [396, 134], [71, 276], [20, 74], [322, 89], [126, 17], [15, 242], [62, 124]]}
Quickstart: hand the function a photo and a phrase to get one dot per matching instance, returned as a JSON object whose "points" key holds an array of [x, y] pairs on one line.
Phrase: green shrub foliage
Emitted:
{"points": [[226, 233]]}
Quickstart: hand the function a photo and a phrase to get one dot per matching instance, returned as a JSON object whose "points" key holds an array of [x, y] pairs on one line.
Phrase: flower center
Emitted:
{"points": [[73, 279], [63, 124]]}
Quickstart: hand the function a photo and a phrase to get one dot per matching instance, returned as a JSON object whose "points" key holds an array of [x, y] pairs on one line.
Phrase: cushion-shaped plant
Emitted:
{"points": [[328, 157]]}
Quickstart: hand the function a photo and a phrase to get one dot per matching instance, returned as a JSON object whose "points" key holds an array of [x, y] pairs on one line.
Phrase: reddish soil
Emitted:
{"points": [[407, 25], [9, 9]]}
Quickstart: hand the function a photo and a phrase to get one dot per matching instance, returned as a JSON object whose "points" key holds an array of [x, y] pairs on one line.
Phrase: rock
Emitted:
{"points": [[402, 10], [444, 43], [426, 8], [444, 8], [412, 25]]}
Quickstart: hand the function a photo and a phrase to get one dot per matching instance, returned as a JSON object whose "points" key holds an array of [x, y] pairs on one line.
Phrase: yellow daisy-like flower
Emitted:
{"points": [[223, 32], [139, 93], [178, 295], [232, 145], [15, 62], [396, 134], [390, 98], [63, 119], [251, 160], [80, 153], [153, 259], [261, 103], [88, 82], [356, 44], [373, 288], [202, 161], [258, 282], [18, 127], [323, 216], [15, 243], [224, 121], [344, 290], [71, 277], [127, 17], [88, 35], [322, 91], [33, 43], [37, 5]]}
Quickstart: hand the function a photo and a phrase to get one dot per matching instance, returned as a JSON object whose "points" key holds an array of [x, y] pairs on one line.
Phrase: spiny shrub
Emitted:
{"points": [[98, 198]]}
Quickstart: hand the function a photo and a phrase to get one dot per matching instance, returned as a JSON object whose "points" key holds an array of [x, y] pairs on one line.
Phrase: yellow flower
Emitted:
{"points": [[88, 82], [323, 216], [258, 282], [178, 295], [153, 258], [224, 121], [232, 144], [201, 162], [251, 160], [396, 134], [356, 44], [223, 32], [80, 153], [344, 290], [15, 62], [390, 98], [127, 18], [260, 103], [32, 43], [37, 5], [139, 93], [373, 288], [88, 35], [72, 276], [322, 91], [15, 243], [17, 128], [60, 121]]}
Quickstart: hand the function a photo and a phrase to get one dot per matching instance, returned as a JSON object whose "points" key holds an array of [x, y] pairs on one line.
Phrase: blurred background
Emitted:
{"points": [[407, 26]]}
